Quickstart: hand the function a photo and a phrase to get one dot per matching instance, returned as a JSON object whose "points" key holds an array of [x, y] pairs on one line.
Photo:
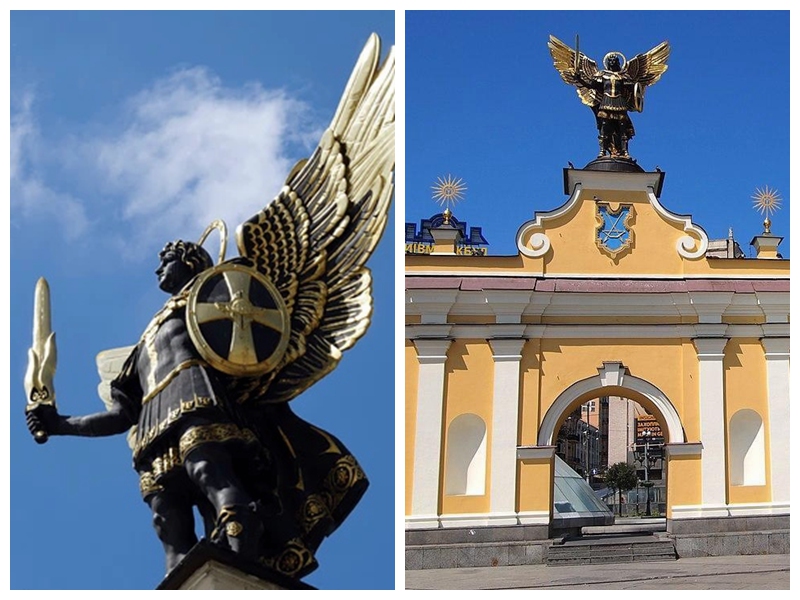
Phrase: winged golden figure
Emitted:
{"points": [[204, 393], [612, 91]]}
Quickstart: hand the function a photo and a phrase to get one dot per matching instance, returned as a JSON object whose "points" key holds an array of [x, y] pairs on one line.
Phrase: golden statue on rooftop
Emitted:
{"points": [[612, 91]]}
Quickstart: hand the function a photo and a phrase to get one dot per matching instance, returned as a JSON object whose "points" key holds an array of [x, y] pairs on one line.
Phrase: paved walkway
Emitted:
{"points": [[711, 573]]}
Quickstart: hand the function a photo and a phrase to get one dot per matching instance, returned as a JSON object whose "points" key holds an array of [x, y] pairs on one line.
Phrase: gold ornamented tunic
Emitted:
{"points": [[173, 396], [614, 103], [305, 479]]}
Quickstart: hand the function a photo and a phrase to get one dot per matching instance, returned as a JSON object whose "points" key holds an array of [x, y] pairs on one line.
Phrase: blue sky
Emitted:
{"points": [[105, 108], [485, 104], [129, 129]]}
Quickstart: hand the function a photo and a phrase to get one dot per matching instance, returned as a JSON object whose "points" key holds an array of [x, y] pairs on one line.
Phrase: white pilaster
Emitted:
{"points": [[712, 423], [776, 352], [432, 354], [507, 354]]}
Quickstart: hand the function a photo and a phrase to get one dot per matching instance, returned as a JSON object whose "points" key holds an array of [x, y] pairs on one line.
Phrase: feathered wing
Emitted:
{"points": [[647, 68], [109, 365], [314, 238], [564, 62], [644, 70]]}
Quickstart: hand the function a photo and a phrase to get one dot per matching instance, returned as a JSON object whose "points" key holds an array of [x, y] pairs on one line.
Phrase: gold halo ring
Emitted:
{"points": [[219, 225], [622, 58]]}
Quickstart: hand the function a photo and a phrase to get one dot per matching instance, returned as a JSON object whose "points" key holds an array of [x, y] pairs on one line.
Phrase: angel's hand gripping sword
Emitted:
{"points": [[39, 389]]}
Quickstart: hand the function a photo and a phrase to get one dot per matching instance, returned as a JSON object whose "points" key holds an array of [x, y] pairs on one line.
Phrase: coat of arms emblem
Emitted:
{"points": [[614, 234]]}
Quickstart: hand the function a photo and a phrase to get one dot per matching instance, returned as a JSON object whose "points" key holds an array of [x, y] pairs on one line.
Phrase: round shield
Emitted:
{"points": [[237, 320]]}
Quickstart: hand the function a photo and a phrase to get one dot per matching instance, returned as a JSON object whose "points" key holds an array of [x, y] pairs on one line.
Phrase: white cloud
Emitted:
{"points": [[31, 196], [189, 151]]}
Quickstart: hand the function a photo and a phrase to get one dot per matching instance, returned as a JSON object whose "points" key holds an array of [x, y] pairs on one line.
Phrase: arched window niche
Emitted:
{"points": [[747, 457], [466, 457]]}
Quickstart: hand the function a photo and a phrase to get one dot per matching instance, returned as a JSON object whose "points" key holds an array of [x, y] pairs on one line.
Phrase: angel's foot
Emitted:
{"points": [[240, 528]]}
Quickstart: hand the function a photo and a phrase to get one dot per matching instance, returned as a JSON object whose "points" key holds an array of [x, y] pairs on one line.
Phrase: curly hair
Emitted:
{"points": [[190, 254]]}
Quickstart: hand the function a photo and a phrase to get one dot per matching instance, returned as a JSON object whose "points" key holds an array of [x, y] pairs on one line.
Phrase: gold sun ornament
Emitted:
{"points": [[447, 191], [766, 201]]}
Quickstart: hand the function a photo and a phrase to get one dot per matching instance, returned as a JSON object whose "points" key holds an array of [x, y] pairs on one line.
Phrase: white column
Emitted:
{"points": [[432, 355], [776, 352], [507, 354], [712, 424]]}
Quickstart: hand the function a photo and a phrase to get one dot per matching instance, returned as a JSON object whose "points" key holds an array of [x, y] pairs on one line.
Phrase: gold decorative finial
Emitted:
{"points": [[446, 216], [766, 201], [449, 190]]}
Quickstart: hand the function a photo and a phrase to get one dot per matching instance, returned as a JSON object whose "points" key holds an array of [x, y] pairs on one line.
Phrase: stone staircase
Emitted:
{"points": [[612, 548]]}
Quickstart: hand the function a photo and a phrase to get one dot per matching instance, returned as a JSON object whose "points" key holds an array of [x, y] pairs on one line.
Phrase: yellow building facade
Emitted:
{"points": [[610, 294]]}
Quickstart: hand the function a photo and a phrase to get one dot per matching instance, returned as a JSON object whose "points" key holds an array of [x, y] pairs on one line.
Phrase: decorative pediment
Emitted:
{"points": [[615, 216]]}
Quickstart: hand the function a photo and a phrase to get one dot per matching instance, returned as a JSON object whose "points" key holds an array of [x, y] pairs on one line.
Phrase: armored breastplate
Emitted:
{"points": [[613, 96], [167, 349]]}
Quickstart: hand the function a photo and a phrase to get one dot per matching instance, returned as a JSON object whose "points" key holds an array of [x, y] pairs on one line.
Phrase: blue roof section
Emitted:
{"points": [[475, 237]]}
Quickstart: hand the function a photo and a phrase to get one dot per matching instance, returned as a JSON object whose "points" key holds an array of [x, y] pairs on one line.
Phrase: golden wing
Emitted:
{"points": [[580, 72], [641, 71], [647, 68], [314, 238]]}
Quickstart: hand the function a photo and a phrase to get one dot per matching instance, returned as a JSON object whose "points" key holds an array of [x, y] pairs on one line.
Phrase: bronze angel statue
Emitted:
{"points": [[612, 91], [204, 393]]}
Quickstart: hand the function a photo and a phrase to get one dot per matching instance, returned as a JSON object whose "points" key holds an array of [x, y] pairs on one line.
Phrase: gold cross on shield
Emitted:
{"points": [[242, 312], [242, 357]]}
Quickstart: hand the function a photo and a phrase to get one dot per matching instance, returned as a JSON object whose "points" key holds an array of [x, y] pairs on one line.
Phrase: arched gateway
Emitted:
{"points": [[612, 379], [610, 294]]}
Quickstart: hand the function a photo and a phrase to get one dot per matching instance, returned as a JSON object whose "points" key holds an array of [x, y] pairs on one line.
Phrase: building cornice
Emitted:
{"points": [[673, 301], [596, 331]]}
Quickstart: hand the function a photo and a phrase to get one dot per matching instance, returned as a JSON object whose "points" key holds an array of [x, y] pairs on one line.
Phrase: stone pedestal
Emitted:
{"points": [[445, 239], [208, 567], [766, 245]]}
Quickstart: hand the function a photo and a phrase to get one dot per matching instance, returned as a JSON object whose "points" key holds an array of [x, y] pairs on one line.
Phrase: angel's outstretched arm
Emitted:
{"points": [[96, 425], [111, 422], [576, 69]]}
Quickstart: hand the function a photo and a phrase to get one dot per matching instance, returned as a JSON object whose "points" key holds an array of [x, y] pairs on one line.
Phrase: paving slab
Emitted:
{"points": [[766, 572]]}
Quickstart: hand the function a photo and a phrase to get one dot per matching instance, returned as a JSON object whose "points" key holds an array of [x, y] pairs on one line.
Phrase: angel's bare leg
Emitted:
{"points": [[174, 523], [210, 467]]}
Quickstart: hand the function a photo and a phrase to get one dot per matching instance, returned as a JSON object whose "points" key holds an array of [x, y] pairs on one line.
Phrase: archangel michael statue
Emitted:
{"points": [[612, 91], [204, 394]]}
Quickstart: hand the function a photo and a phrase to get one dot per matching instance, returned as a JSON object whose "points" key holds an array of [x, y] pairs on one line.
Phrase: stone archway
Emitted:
{"points": [[613, 379]]}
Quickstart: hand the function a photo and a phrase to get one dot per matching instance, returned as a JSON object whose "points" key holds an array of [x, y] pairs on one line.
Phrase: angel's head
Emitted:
{"points": [[179, 262], [613, 61]]}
